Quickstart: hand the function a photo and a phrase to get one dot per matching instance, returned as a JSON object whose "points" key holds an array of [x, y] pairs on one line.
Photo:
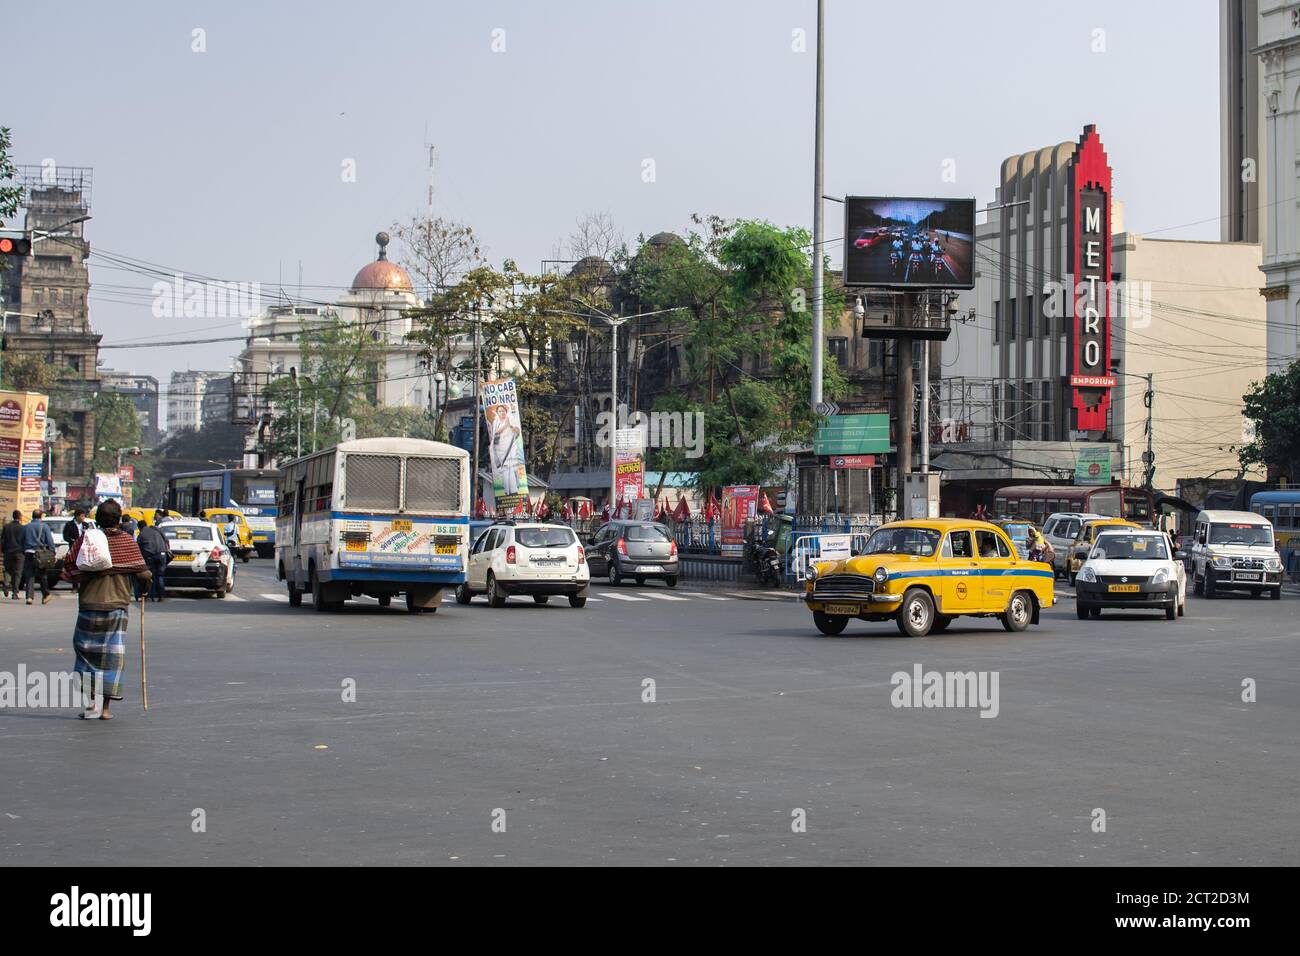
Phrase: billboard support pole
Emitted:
{"points": [[816, 370], [903, 375]]}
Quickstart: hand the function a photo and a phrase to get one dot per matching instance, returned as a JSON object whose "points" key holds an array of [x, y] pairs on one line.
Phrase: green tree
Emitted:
{"points": [[1273, 408], [740, 288], [28, 373], [11, 195]]}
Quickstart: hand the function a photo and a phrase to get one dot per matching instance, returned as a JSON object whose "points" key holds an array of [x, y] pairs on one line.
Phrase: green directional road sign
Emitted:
{"points": [[852, 435]]}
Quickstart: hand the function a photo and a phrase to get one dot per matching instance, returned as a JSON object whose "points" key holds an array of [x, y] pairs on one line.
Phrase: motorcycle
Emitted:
{"points": [[765, 563]]}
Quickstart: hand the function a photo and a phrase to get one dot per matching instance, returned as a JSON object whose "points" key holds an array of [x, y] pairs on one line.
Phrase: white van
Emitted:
{"points": [[1060, 529], [1234, 551]]}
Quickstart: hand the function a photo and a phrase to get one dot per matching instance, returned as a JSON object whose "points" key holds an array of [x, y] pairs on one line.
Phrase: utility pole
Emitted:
{"points": [[816, 396], [1149, 400], [477, 359], [613, 389], [924, 419]]}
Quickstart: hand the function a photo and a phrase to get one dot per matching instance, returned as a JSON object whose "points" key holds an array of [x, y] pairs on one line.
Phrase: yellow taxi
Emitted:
{"points": [[152, 515], [243, 533], [924, 574], [1087, 535]]}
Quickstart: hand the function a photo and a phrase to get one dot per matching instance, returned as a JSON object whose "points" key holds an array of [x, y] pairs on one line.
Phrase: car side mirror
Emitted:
{"points": [[1180, 555]]}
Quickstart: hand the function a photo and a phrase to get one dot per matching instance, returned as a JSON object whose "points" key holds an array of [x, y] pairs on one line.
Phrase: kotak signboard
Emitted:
{"points": [[1090, 376]]}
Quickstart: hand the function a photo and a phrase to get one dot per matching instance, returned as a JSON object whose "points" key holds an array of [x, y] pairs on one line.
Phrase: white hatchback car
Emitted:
{"points": [[1131, 568], [535, 558], [199, 558]]}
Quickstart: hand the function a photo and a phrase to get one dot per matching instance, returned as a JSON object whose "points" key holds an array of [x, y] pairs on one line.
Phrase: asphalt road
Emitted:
{"points": [[538, 712]]}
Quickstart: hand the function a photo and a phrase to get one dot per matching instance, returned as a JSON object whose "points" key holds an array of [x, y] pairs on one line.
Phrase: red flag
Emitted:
{"points": [[584, 510], [567, 513], [661, 510], [604, 512], [480, 509], [711, 510], [764, 505], [683, 510], [618, 508], [543, 509]]}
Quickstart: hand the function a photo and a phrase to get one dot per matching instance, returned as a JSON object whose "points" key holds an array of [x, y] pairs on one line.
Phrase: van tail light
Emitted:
{"points": [[510, 555], [672, 549], [622, 547], [582, 554]]}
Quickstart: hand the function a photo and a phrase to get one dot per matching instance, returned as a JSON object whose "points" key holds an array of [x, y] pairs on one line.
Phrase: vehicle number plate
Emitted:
{"points": [[1126, 588], [648, 569], [851, 609], [444, 549], [354, 546], [182, 557], [401, 525], [1248, 577]]}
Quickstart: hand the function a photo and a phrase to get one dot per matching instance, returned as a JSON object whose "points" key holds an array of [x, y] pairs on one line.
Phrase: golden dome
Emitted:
{"points": [[382, 275]]}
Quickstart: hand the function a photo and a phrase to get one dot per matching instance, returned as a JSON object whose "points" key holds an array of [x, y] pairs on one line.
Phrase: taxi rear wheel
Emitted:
{"points": [[830, 625], [916, 614], [1019, 612]]}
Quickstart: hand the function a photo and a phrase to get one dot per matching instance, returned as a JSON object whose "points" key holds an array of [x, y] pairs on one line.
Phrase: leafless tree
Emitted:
{"points": [[437, 251], [595, 234]]}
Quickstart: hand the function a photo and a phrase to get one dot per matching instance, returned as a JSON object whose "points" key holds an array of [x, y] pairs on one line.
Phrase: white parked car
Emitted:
{"points": [[199, 558], [534, 558], [1131, 568]]}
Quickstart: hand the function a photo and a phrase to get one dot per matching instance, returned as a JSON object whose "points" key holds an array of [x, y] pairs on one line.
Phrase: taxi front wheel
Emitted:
{"points": [[916, 614]]}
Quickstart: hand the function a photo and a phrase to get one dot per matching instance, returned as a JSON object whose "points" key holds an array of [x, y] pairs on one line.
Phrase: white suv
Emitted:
{"points": [[535, 558]]}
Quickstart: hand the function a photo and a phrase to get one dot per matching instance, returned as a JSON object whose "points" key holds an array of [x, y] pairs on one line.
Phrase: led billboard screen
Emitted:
{"points": [[909, 242]]}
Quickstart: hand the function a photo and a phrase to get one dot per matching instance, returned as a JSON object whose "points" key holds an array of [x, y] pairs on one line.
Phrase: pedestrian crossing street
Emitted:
{"points": [[605, 595]]}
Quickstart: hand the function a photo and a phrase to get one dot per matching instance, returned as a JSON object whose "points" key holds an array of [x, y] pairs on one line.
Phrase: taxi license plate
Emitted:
{"points": [[1125, 588], [444, 549], [182, 557], [851, 609], [401, 525], [354, 546]]}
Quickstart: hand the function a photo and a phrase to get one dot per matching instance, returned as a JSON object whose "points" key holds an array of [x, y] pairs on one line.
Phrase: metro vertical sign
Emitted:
{"points": [[1090, 376]]}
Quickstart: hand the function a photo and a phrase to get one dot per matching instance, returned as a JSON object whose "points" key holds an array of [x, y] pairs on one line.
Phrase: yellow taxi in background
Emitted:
{"points": [[244, 534], [1087, 536], [924, 574], [152, 515]]}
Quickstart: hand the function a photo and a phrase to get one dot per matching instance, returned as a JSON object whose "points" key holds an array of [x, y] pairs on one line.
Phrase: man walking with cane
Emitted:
{"points": [[99, 638]]}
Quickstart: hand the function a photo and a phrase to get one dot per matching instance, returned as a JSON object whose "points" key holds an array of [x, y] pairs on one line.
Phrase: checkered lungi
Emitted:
{"points": [[100, 643]]}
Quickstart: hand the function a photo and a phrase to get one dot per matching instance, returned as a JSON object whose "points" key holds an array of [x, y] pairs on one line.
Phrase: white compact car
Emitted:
{"points": [[536, 559], [199, 559], [1131, 568]]}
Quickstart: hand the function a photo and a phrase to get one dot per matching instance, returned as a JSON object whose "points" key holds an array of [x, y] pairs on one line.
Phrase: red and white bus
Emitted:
{"points": [[1035, 502]]}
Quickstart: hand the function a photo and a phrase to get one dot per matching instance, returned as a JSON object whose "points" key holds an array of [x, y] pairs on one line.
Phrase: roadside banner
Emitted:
{"points": [[22, 450], [505, 442], [107, 486], [739, 504]]}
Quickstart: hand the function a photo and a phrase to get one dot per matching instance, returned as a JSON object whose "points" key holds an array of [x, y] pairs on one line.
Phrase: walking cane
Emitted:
{"points": [[144, 670]]}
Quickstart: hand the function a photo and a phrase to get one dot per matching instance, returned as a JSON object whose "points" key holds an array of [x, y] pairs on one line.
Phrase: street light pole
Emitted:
{"points": [[816, 396], [297, 410], [613, 389]]}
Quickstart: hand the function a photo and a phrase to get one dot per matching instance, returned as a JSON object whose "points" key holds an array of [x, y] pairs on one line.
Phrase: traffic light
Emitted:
{"points": [[10, 246]]}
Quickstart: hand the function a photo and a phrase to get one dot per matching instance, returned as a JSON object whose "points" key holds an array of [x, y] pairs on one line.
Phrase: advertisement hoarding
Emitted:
{"points": [[22, 446], [500, 404], [1091, 380], [909, 242], [1092, 466], [739, 504]]}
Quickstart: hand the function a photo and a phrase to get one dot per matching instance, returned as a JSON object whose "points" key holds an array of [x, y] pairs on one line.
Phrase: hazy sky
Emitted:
{"points": [[228, 162]]}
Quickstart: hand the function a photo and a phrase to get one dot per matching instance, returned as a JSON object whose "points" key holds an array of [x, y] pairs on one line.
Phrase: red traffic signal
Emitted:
{"points": [[15, 247]]}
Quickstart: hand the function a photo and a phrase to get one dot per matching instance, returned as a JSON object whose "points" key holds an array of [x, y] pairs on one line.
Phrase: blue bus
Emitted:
{"points": [[1282, 509], [252, 490]]}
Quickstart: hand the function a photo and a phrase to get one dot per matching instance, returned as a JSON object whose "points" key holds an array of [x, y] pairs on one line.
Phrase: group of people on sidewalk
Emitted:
{"points": [[29, 556]]}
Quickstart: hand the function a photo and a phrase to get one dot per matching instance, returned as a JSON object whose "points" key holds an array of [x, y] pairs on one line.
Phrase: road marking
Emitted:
{"points": [[665, 597], [623, 597], [706, 597], [236, 597], [783, 594], [280, 598]]}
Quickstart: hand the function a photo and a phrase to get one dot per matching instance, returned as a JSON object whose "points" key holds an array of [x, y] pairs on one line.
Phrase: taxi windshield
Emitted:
{"points": [[1245, 534], [921, 541], [1016, 532], [1131, 547]]}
